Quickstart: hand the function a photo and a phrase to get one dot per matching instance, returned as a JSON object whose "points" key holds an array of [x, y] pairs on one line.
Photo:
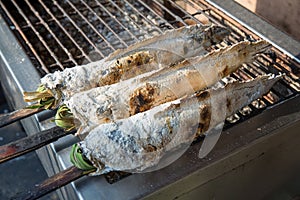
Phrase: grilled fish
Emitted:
{"points": [[138, 143], [127, 98], [148, 55]]}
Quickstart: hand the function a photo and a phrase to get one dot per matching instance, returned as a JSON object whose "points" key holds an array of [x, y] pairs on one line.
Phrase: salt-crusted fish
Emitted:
{"points": [[148, 55], [176, 44], [142, 142], [124, 99]]}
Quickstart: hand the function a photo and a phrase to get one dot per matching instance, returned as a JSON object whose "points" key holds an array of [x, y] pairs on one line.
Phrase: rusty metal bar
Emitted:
{"points": [[58, 180], [30, 143], [63, 178], [8, 118]]}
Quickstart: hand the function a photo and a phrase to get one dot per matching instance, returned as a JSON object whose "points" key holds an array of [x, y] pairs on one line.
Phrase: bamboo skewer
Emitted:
{"points": [[6, 119], [30, 143]]}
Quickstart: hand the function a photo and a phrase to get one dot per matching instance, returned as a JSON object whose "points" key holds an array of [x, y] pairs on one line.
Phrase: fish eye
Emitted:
{"points": [[79, 151]]}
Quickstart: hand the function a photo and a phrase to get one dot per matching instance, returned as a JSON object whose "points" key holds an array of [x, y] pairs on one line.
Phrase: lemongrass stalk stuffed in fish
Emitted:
{"points": [[144, 56], [121, 100], [139, 143]]}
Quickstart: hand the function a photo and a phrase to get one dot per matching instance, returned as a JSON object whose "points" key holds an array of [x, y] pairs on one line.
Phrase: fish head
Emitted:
{"points": [[218, 33], [248, 50], [211, 35]]}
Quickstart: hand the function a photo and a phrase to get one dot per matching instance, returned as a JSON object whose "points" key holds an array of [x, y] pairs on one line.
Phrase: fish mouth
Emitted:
{"points": [[262, 47], [251, 50], [259, 47]]}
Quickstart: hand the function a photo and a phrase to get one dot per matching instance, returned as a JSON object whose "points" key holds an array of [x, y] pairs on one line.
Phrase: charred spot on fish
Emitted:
{"points": [[112, 77], [142, 99], [174, 106], [225, 70], [206, 112], [203, 95], [150, 148], [205, 117], [228, 103], [59, 85], [129, 63], [200, 129], [147, 59]]}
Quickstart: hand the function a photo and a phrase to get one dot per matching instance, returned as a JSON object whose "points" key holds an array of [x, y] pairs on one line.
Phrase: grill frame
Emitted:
{"points": [[57, 153]]}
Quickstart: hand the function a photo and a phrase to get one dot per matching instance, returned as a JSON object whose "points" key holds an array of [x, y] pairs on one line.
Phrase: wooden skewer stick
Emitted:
{"points": [[14, 116], [53, 183], [30, 143]]}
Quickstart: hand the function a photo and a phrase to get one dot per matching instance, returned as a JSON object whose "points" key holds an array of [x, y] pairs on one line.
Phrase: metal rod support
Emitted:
{"points": [[14, 116], [30, 143]]}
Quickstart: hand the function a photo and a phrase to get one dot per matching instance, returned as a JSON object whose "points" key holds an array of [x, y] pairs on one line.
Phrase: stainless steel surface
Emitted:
{"points": [[60, 34], [260, 27]]}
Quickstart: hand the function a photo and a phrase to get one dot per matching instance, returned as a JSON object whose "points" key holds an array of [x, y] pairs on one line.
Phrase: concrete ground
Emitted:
{"points": [[21, 173]]}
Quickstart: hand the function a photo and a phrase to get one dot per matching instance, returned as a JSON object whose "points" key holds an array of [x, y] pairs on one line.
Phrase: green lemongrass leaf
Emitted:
{"points": [[67, 124], [44, 97], [79, 160], [43, 104], [35, 96], [64, 118], [34, 106], [49, 103]]}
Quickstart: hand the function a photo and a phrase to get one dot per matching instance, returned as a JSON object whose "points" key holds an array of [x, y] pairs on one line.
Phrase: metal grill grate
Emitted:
{"points": [[61, 34]]}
